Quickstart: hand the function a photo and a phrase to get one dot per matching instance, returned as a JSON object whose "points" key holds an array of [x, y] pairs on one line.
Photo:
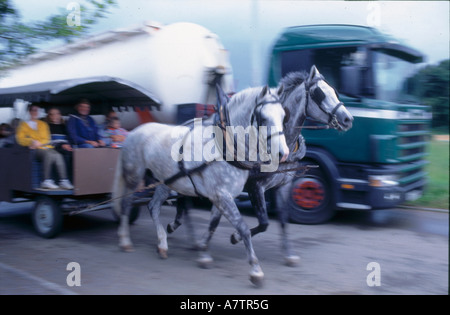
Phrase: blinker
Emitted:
{"points": [[317, 95]]}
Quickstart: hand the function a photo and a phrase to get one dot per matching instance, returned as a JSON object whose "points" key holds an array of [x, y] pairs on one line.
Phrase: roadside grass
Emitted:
{"points": [[436, 194]]}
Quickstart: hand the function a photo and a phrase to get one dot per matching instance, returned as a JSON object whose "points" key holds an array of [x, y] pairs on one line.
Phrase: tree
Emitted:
{"points": [[17, 39], [431, 85]]}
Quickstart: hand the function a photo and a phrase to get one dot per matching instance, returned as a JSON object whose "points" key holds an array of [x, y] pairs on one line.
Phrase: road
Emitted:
{"points": [[408, 251]]}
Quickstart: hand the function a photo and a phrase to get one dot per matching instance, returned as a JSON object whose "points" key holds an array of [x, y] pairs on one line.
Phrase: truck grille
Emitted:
{"points": [[412, 139]]}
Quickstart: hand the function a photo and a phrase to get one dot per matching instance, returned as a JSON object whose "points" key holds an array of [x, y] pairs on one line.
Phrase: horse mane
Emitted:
{"points": [[292, 80], [244, 94]]}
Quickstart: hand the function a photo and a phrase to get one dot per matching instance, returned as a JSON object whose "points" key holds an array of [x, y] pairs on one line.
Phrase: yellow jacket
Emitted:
{"points": [[25, 134]]}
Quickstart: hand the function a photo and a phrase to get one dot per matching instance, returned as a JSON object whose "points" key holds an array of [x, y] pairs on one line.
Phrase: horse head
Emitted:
{"points": [[264, 114], [269, 113], [328, 108]]}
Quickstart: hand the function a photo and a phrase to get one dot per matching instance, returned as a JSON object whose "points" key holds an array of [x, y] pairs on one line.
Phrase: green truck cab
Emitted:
{"points": [[380, 162]]}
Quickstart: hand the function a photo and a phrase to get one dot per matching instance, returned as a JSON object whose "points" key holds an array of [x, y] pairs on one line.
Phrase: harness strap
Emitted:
{"points": [[183, 173], [318, 98]]}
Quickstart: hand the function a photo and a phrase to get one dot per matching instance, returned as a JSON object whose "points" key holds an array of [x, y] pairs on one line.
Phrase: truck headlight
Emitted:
{"points": [[383, 180]]}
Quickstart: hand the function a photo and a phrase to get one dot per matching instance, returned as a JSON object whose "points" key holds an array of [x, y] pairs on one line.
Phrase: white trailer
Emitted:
{"points": [[176, 66]]}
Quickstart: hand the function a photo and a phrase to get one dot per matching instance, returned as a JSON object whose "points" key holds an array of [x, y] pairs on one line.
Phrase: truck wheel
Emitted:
{"points": [[47, 217], [311, 199]]}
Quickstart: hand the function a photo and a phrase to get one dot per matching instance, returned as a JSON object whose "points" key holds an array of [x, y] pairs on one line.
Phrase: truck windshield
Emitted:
{"points": [[391, 75]]}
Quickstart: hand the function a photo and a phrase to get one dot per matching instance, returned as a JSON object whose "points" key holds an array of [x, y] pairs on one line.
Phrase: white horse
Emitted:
{"points": [[303, 95], [157, 148]]}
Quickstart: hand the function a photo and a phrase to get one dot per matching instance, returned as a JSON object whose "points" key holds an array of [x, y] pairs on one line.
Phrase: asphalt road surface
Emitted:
{"points": [[380, 252]]}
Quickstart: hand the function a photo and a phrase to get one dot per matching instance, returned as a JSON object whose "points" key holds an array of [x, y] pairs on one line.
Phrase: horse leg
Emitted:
{"points": [[154, 206], [205, 260], [257, 198], [280, 195], [225, 203], [187, 205], [125, 243], [181, 209], [213, 223]]}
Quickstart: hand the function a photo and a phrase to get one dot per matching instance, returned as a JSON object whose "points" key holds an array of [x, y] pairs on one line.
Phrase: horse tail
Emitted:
{"points": [[118, 186]]}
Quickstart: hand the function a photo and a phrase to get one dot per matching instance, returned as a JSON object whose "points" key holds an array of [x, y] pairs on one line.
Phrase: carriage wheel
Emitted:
{"points": [[311, 199], [47, 217]]}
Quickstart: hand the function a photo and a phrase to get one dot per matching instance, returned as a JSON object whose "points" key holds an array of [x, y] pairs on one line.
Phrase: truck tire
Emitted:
{"points": [[311, 198], [47, 217]]}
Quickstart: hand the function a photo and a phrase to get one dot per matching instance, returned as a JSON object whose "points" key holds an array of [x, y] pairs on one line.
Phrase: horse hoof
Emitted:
{"points": [[233, 239], [162, 253], [200, 246], [127, 248], [257, 280], [292, 261], [170, 229], [205, 262]]}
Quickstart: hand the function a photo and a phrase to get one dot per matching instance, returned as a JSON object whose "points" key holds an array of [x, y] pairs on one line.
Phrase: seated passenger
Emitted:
{"points": [[82, 129], [102, 127], [114, 135], [59, 137], [35, 135], [6, 134]]}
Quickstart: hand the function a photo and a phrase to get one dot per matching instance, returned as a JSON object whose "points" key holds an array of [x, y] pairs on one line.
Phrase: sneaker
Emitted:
{"points": [[65, 184], [49, 184]]}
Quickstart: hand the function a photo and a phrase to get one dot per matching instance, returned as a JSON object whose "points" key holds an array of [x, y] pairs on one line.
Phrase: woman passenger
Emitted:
{"points": [[35, 134]]}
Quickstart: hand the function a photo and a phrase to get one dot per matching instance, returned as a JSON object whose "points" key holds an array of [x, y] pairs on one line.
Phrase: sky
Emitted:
{"points": [[248, 28]]}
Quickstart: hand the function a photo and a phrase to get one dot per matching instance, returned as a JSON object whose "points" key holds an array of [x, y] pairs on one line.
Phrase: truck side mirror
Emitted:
{"points": [[351, 81]]}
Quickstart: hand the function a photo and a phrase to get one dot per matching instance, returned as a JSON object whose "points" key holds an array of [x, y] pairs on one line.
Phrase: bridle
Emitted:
{"points": [[256, 115], [222, 120], [317, 95]]}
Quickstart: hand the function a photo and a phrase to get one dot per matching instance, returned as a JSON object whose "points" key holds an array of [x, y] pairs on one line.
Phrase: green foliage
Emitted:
{"points": [[431, 85], [437, 191], [17, 39]]}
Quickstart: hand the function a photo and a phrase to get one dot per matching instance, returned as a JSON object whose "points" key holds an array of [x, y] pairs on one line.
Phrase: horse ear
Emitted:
{"points": [[313, 72], [280, 90], [264, 91]]}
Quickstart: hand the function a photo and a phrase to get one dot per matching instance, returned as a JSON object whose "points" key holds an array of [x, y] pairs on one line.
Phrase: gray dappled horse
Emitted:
{"points": [[303, 96], [162, 149]]}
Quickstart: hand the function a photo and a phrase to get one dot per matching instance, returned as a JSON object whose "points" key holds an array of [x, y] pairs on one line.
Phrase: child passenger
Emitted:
{"points": [[114, 135], [59, 136]]}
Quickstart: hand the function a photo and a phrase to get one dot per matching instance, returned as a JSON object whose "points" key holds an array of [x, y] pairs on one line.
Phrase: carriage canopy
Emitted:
{"points": [[100, 90]]}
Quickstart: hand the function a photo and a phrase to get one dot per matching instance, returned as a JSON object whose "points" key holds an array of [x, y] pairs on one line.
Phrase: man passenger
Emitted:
{"points": [[82, 129]]}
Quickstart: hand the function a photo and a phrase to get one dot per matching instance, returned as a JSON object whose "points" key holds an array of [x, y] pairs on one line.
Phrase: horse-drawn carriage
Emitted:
{"points": [[21, 177], [92, 169]]}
